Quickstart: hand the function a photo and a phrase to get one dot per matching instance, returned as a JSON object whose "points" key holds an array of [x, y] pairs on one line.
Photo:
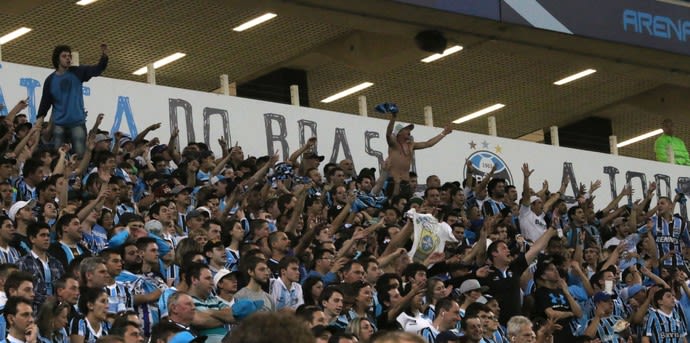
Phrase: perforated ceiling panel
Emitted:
{"points": [[343, 43]]}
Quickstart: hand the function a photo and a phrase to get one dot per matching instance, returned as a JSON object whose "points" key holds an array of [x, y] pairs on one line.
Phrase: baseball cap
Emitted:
{"points": [[222, 274], [242, 308], [154, 226], [603, 296], [179, 189], [194, 214], [218, 178], [12, 213], [534, 198], [158, 149], [7, 160], [204, 210], [400, 127], [186, 337], [101, 137], [311, 155], [472, 285], [631, 291], [124, 140]]}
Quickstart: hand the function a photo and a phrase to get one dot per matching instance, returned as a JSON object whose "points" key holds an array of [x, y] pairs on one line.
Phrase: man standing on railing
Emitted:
{"points": [[401, 146], [63, 91], [667, 141]]}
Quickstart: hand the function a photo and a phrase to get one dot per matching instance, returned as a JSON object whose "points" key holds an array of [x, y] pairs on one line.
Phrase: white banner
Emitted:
{"points": [[263, 127]]}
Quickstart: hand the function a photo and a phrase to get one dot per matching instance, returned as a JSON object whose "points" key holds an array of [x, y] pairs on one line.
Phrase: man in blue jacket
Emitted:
{"points": [[63, 91]]}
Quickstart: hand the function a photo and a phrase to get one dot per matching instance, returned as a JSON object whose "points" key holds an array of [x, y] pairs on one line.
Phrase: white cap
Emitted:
{"points": [[205, 209], [12, 213], [534, 198], [220, 275]]}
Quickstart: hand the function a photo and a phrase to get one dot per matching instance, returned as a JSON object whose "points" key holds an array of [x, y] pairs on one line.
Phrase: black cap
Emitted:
{"points": [[7, 160], [311, 155]]}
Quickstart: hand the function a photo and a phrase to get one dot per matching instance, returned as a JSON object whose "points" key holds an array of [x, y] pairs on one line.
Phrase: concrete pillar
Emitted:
{"points": [[362, 104], [554, 136], [225, 84], [428, 116], [150, 74], [492, 126], [294, 95], [75, 58], [613, 144]]}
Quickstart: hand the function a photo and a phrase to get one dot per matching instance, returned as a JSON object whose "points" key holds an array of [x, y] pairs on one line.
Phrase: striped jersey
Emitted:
{"points": [[9, 255], [605, 331], [666, 328], [667, 236]]}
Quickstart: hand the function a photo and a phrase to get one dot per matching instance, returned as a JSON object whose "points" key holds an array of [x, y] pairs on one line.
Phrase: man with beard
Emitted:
{"points": [[146, 290], [258, 272], [494, 204]]}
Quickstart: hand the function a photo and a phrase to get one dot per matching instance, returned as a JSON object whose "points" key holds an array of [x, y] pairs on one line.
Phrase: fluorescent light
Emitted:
{"points": [[163, 61], [434, 57], [85, 2], [14, 34], [355, 89], [256, 21], [640, 138], [479, 113], [574, 77]]}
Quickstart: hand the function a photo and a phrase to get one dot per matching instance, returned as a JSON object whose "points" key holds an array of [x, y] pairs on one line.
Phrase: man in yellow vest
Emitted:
{"points": [[661, 146]]}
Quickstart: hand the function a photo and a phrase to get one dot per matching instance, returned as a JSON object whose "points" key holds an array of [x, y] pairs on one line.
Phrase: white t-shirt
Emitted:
{"points": [[532, 226], [429, 236]]}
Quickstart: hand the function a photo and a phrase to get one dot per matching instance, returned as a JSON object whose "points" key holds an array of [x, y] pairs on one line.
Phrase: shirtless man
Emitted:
{"points": [[400, 146]]}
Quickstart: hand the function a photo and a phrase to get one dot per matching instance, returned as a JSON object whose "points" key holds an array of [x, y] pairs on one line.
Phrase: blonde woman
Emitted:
{"points": [[362, 328]]}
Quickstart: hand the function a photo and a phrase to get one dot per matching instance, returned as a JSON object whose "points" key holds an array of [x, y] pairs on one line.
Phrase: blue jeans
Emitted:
{"points": [[77, 136]]}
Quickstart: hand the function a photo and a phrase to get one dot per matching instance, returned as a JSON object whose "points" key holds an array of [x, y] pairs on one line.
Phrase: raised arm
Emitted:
{"points": [[140, 137], [526, 172], [21, 105], [539, 245], [431, 142], [309, 145], [389, 132], [399, 240]]}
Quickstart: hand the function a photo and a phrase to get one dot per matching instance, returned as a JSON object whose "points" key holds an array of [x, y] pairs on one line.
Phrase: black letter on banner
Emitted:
{"points": [[208, 112], [667, 180], [684, 185], [340, 138], [612, 171], [303, 123], [629, 175], [173, 104], [280, 137], [368, 135], [570, 172]]}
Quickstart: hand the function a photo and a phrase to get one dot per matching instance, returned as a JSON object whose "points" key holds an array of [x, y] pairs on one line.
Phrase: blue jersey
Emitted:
{"points": [[82, 327], [9, 255], [663, 328], [605, 331], [667, 236]]}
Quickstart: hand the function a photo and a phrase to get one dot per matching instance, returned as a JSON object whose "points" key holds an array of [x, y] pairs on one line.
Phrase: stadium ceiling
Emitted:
{"points": [[341, 43]]}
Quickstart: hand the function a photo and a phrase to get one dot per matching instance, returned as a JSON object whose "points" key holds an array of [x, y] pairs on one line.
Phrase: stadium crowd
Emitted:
{"points": [[130, 239]]}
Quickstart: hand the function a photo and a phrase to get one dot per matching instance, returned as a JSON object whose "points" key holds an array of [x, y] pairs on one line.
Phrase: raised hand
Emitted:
{"points": [[594, 186], [526, 171], [447, 129]]}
